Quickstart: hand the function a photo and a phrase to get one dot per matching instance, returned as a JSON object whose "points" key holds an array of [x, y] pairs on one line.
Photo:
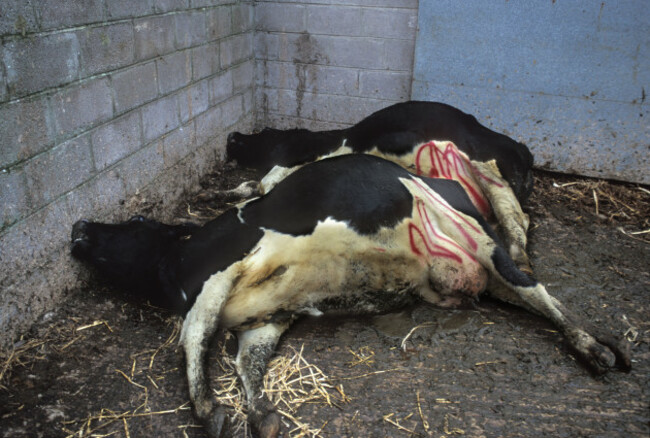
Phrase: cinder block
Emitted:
{"points": [[280, 121], [13, 197], [35, 64], [116, 139], [208, 125], [160, 117], [170, 5], [248, 101], [341, 51], [277, 17], [33, 242], [190, 29], [334, 20], [82, 106], [266, 99], [194, 101], [4, 95], [267, 46], [105, 48], [231, 111], [207, 3], [390, 23], [141, 168], [409, 4], [26, 129], [134, 86], [205, 60], [174, 71], [326, 107], [383, 84], [118, 9], [242, 76], [236, 49], [221, 87], [242, 17], [219, 22], [398, 55], [154, 36], [97, 197], [17, 17], [326, 79], [178, 143], [56, 15], [59, 170]]}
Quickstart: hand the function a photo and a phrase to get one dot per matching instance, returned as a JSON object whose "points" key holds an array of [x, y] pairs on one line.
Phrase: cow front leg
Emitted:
{"points": [[200, 324], [256, 347], [245, 190], [512, 221], [599, 350]]}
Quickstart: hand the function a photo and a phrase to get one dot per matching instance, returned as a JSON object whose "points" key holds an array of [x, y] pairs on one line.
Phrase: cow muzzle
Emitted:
{"points": [[79, 237]]}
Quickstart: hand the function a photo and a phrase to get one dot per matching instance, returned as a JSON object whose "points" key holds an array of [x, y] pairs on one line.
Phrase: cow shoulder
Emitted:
{"points": [[213, 248]]}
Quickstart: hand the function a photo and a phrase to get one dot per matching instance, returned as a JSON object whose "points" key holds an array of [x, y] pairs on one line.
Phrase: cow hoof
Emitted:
{"points": [[269, 427], [605, 353], [601, 358], [217, 423], [621, 350]]}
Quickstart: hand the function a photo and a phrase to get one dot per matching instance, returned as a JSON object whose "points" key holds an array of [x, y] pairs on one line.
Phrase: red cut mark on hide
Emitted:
{"points": [[485, 177], [430, 238], [450, 163], [449, 212]]}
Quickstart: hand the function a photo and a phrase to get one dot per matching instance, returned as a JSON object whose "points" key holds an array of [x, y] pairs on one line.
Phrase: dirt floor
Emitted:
{"points": [[100, 366]]}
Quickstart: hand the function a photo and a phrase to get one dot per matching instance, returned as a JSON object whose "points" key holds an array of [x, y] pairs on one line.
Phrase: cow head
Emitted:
{"points": [[130, 254], [287, 148], [257, 150]]}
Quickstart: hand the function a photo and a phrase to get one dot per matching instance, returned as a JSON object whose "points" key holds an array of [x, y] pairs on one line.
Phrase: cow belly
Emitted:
{"points": [[332, 270]]}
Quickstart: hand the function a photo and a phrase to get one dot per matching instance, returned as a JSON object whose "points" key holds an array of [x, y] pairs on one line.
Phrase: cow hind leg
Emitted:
{"points": [[599, 350], [256, 347], [200, 324]]}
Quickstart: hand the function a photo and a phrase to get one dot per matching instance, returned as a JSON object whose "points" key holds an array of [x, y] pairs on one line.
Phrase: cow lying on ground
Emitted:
{"points": [[353, 233], [427, 138]]}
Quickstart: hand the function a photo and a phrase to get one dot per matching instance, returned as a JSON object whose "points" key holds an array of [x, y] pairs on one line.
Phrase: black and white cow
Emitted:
{"points": [[353, 233], [426, 138]]}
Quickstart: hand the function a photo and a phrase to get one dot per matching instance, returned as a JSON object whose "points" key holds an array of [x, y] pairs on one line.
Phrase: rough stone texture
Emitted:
{"points": [[134, 86], [107, 110], [54, 54], [328, 63], [26, 129], [105, 48]]}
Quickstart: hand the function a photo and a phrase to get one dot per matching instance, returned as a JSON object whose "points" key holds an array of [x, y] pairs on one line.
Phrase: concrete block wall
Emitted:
{"points": [[323, 64], [107, 108]]}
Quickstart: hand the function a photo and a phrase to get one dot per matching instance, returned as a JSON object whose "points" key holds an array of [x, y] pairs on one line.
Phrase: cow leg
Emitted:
{"points": [[256, 347], [278, 173], [507, 210], [600, 351], [275, 175], [245, 190], [200, 324]]}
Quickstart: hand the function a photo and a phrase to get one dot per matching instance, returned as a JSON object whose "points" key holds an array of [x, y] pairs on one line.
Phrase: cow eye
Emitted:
{"points": [[137, 218]]}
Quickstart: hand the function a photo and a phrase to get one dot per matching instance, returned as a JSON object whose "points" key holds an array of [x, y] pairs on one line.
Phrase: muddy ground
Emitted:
{"points": [[99, 366]]}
